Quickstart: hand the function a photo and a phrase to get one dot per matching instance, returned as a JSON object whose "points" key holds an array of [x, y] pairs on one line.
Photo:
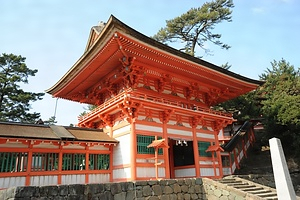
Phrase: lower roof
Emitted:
{"points": [[53, 132]]}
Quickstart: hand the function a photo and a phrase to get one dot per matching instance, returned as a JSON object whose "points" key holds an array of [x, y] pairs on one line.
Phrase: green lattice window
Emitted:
{"points": [[13, 161], [143, 141], [72, 161], [202, 147], [44, 161], [99, 161]]}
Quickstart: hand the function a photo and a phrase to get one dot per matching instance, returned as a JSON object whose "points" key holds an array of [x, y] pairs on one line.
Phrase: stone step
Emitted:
{"points": [[233, 183], [246, 186], [227, 180], [271, 198], [255, 188], [250, 187], [260, 192], [272, 194]]}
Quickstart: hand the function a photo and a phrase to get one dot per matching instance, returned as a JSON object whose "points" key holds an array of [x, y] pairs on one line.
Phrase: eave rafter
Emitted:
{"points": [[172, 63]]}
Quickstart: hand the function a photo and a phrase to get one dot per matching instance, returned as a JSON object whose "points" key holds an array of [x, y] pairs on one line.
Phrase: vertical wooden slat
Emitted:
{"points": [[2, 158], [12, 156]]}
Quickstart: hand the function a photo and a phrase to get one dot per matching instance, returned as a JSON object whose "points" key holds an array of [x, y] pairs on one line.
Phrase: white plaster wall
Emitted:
{"points": [[148, 128], [123, 130], [43, 180], [206, 162], [179, 132], [149, 172], [99, 178], [72, 178], [121, 152], [189, 172], [122, 173], [208, 172], [205, 135], [6, 182]]}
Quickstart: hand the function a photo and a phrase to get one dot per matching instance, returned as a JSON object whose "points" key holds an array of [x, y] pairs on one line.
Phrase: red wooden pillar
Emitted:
{"points": [[111, 178], [252, 136], [60, 163], [220, 163], [87, 160], [214, 163], [29, 163], [196, 151], [133, 151], [171, 161], [218, 152], [244, 148], [156, 163], [166, 152]]}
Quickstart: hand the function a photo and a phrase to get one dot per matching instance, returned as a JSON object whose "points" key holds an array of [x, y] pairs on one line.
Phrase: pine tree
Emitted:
{"points": [[196, 26], [15, 102]]}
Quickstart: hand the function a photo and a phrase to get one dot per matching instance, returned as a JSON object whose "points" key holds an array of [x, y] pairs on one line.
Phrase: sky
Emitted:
{"points": [[52, 35]]}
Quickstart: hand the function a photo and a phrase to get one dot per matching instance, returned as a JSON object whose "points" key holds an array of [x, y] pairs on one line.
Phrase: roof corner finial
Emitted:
{"points": [[101, 24]]}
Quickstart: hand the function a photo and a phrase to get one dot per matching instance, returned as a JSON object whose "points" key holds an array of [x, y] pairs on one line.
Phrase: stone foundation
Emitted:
{"points": [[172, 189]]}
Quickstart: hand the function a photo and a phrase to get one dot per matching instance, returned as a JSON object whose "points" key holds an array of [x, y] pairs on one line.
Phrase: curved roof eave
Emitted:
{"points": [[114, 23]]}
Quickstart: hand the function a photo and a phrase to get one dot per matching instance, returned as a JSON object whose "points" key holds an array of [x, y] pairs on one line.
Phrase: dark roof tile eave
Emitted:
{"points": [[113, 22], [181, 54]]}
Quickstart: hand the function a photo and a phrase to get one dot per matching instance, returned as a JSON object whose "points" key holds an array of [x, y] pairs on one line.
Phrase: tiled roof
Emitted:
{"points": [[90, 135], [53, 132], [27, 131]]}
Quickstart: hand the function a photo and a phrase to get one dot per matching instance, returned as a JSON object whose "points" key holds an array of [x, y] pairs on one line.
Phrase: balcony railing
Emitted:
{"points": [[152, 99]]}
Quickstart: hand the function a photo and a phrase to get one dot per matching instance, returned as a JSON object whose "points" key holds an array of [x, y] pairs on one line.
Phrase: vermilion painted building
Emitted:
{"points": [[148, 93], [156, 102], [36, 155]]}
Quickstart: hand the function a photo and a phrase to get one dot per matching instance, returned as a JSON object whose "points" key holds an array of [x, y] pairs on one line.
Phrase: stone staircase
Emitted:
{"points": [[255, 190]]}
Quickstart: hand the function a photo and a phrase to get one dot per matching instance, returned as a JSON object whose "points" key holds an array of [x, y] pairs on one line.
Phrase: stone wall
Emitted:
{"points": [[173, 189]]}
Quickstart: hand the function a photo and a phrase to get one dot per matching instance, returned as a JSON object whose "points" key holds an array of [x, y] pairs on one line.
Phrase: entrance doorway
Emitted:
{"points": [[181, 155]]}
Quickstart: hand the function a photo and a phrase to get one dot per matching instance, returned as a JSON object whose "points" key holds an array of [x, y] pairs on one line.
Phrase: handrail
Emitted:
{"points": [[152, 98], [229, 146], [109, 102]]}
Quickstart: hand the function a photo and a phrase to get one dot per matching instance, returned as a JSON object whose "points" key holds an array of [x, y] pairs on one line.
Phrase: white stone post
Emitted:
{"points": [[284, 186]]}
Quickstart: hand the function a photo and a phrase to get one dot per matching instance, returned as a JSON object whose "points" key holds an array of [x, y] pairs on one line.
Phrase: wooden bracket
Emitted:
{"points": [[107, 119], [164, 116]]}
